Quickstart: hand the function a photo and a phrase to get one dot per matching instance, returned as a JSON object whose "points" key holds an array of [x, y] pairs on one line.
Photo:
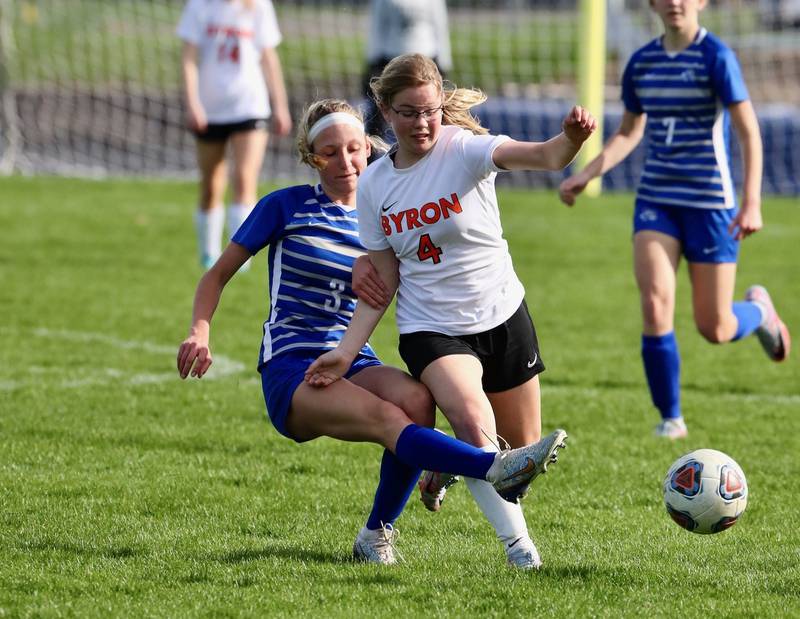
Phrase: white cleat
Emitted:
{"points": [[672, 428], [376, 546], [522, 554], [514, 469]]}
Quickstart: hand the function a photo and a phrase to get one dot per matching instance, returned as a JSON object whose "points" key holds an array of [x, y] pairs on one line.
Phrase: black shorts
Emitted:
{"points": [[509, 353], [221, 132]]}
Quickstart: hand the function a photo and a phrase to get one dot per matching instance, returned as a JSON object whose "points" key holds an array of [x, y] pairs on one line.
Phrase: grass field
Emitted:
{"points": [[126, 492]]}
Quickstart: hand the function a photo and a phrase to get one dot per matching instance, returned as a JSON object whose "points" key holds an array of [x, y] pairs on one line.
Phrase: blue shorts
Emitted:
{"points": [[282, 375], [703, 232]]}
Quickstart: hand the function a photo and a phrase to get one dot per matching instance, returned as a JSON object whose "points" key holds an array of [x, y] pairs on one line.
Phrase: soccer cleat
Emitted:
{"points": [[522, 553], [773, 334], [514, 469], [433, 487], [672, 428], [376, 546]]}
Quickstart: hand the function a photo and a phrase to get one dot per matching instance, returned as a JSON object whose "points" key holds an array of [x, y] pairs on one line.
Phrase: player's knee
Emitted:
{"points": [[388, 414], [655, 309], [467, 423], [418, 405], [713, 331]]}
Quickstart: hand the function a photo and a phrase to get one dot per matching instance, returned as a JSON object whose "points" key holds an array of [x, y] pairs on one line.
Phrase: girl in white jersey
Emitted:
{"points": [[429, 217], [233, 84], [312, 237], [684, 88]]}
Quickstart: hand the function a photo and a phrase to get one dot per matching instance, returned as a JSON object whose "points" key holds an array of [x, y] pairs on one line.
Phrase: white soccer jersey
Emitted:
{"points": [[230, 39], [440, 217]]}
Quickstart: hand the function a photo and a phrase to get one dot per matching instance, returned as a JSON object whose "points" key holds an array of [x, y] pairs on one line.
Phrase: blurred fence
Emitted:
{"points": [[92, 87]]}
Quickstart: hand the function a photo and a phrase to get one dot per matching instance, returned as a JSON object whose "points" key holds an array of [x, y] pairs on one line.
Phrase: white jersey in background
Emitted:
{"points": [[409, 26], [440, 216], [230, 39]]}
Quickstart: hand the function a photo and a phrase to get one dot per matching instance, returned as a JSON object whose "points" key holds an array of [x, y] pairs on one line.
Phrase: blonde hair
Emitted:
{"points": [[411, 70], [311, 115]]}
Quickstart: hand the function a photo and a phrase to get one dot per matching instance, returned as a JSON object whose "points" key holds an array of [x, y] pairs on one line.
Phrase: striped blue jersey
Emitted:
{"points": [[313, 243], [685, 95]]}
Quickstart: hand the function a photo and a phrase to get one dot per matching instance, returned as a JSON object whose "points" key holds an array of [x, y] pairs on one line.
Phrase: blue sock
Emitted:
{"points": [[434, 451], [395, 486], [662, 365], [749, 316]]}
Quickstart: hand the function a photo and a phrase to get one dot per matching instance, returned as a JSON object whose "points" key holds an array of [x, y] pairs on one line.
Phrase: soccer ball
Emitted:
{"points": [[705, 491]]}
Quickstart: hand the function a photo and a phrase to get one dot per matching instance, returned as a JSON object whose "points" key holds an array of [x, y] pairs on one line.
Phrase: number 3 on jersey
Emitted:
{"points": [[427, 249]]}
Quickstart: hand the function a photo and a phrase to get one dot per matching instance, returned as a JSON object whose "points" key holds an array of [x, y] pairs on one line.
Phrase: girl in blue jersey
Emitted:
{"points": [[312, 234], [685, 88]]}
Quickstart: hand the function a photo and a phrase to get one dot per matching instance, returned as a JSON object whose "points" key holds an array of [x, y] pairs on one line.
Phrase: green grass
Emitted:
{"points": [[126, 492]]}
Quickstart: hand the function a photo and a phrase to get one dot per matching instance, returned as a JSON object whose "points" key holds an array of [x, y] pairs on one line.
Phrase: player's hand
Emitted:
{"points": [[194, 351], [281, 122], [196, 119], [747, 221], [368, 285], [328, 368], [570, 187], [578, 125]]}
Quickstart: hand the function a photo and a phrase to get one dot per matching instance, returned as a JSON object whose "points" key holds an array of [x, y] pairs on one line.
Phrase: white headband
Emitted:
{"points": [[335, 118]]}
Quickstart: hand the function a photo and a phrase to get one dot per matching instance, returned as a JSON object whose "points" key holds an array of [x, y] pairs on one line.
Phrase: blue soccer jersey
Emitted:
{"points": [[313, 244], [685, 95]]}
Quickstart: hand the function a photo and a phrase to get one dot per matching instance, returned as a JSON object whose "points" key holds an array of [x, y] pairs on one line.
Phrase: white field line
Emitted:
{"points": [[221, 367], [590, 392]]}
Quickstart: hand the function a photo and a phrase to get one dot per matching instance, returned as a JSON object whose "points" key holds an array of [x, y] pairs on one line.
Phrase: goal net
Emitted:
{"points": [[93, 87]]}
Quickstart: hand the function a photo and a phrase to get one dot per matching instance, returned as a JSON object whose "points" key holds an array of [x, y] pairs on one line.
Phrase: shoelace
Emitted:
{"points": [[390, 536], [504, 451]]}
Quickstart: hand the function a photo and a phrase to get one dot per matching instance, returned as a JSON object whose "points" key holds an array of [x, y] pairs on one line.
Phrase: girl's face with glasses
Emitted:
{"points": [[416, 118]]}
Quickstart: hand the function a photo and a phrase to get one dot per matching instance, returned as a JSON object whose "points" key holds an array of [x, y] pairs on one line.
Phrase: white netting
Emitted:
{"points": [[92, 87]]}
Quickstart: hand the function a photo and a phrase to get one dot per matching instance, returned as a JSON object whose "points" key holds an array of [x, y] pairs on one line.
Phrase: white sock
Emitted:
{"points": [[209, 232], [506, 518], [237, 213]]}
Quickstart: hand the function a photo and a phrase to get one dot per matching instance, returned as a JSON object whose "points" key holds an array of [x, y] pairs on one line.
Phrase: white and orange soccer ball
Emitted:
{"points": [[705, 491]]}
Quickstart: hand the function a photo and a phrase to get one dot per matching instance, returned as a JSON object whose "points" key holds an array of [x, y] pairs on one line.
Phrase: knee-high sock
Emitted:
{"points": [[430, 450], [750, 316], [396, 484], [237, 213], [662, 366], [209, 226], [506, 518]]}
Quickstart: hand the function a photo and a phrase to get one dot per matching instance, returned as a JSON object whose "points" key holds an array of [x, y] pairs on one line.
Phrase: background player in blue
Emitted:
{"points": [[685, 88], [312, 234]]}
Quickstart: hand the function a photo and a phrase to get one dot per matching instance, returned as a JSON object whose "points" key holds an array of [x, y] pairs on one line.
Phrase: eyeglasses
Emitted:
{"points": [[414, 114]]}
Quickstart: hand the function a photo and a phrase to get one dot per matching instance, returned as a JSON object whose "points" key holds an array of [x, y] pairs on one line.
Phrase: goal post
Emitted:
{"points": [[591, 79]]}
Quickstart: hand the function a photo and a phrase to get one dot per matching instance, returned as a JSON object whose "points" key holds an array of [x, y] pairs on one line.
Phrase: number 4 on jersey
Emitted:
{"points": [[428, 250]]}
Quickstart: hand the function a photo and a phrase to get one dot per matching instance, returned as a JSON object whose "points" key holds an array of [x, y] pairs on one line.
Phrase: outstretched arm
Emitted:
{"points": [[619, 146], [555, 153], [331, 366], [195, 351], [744, 120]]}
